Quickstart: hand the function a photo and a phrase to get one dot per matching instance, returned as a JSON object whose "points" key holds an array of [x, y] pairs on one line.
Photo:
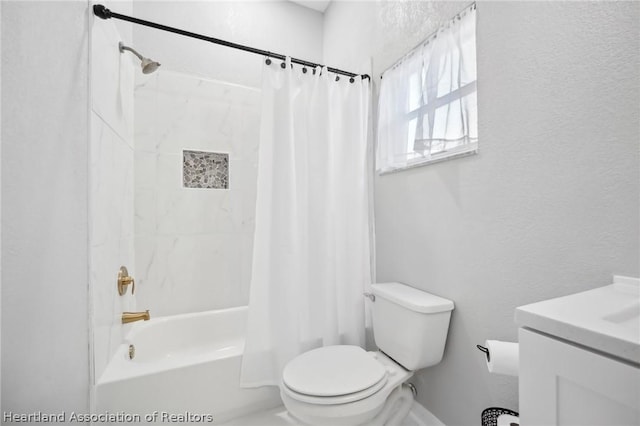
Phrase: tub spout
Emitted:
{"points": [[128, 317]]}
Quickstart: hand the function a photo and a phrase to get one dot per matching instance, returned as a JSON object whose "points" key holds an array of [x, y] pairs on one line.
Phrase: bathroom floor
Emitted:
{"points": [[418, 416]]}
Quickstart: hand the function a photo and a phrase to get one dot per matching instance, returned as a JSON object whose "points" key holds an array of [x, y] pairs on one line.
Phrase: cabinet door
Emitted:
{"points": [[564, 384]]}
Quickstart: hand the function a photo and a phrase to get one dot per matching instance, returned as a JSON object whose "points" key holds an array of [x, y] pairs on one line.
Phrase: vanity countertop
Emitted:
{"points": [[606, 319]]}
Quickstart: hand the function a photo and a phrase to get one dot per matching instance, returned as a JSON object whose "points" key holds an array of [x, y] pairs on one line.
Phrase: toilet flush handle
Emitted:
{"points": [[370, 296]]}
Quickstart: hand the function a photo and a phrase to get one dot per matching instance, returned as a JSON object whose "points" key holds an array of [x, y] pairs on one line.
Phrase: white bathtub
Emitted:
{"points": [[183, 365]]}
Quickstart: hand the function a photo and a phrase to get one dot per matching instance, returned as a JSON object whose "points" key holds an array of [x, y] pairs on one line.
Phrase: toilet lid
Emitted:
{"points": [[333, 371]]}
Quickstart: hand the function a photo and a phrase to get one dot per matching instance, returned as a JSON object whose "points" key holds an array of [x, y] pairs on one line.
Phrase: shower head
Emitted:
{"points": [[148, 65]]}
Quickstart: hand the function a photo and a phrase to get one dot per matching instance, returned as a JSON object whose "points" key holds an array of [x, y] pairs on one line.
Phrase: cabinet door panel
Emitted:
{"points": [[563, 384]]}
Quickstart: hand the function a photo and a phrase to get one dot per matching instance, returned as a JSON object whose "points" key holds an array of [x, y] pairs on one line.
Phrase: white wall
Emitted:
{"points": [[193, 246], [278, 26], [550, 205], [45, 335], [111, 177], [0, 210]]}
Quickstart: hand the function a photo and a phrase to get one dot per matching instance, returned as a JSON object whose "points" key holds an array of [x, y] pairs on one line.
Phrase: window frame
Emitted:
{"points": [[427, 109]]}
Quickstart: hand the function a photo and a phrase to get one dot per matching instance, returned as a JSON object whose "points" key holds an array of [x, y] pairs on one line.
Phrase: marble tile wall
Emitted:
{"points": [[193, 247], [110, 186]]}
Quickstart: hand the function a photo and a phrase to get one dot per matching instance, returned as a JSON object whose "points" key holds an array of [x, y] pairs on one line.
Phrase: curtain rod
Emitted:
{"points": [[102, 12]]}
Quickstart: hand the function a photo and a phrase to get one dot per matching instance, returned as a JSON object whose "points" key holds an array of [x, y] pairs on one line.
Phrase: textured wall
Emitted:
{"points": [[45, 335], [550, 205]]}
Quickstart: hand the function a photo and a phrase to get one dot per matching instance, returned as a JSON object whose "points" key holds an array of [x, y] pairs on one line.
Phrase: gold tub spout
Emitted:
{"points": [[135, 316]]}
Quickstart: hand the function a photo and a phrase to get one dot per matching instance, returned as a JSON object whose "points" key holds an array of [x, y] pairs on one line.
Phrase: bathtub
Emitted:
{"points": [[186, 366]]}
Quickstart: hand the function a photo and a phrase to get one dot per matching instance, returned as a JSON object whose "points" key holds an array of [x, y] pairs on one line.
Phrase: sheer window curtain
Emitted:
{"points": [[311, 260], [428, 103]]}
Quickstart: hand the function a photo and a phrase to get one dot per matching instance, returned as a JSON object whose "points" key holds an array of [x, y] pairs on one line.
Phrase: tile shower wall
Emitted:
{"points": [[110, 184], [194, 244]]}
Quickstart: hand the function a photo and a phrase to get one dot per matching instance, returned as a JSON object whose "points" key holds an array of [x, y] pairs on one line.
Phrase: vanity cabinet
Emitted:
{"points": [[561, 383], [580, 358]]}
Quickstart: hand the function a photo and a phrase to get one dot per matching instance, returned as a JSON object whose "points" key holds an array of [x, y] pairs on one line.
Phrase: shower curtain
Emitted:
{"points": [[311, 259]]}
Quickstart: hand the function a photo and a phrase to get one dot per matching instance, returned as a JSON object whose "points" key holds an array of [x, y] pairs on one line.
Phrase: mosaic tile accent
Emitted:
{"points": [[205, 170]]}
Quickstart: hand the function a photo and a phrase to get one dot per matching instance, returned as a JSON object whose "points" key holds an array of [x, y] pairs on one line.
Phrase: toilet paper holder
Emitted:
{"points": [[485, 350]]}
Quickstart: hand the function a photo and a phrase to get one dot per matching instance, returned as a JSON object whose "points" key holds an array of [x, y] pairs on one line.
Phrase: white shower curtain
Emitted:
{"points": [[311, 259]]}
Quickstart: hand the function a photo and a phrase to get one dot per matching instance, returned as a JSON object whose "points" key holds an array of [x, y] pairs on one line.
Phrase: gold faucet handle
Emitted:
{"points": [[124, 280]]}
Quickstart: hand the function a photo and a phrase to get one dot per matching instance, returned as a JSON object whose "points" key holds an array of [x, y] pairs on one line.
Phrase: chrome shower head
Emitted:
{"points": [[148, 65]]}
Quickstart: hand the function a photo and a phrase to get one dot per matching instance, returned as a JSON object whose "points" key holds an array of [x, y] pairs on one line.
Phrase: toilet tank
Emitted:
{"points": [[410, 325]]}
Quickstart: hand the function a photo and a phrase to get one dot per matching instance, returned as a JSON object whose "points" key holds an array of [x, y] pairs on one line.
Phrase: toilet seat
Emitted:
{"points": [[356, 408], [332, 400], [333, 375]]}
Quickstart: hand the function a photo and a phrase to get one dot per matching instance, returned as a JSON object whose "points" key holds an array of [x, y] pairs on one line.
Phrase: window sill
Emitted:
{"points": [[464, 151]]}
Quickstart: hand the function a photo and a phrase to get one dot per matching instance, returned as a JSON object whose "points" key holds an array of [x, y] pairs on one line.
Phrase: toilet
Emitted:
{"points": [[346, 385]]}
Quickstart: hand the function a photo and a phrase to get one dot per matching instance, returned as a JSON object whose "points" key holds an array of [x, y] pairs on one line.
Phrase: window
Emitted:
{"points": [[427, 108]]}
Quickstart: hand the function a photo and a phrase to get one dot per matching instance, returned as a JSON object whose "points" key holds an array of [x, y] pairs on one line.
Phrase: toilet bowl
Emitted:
{"points": [[312, 394], [345, 385]]}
